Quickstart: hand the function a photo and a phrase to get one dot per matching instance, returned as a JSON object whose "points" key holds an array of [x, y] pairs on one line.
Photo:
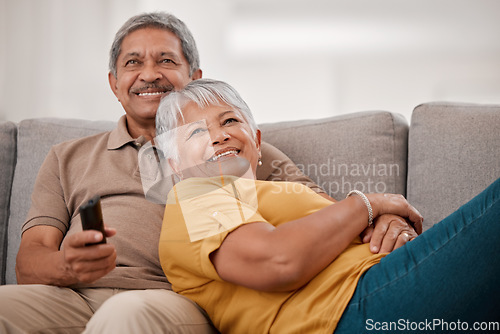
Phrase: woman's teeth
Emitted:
{"points": [[218, 156]]}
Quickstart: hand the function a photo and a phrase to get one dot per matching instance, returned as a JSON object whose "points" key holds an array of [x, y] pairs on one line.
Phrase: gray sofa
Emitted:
{"points": [[448, 154]]}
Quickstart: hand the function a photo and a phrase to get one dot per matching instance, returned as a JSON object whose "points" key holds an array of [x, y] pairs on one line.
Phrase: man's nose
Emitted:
{"points": [[150, 72]]}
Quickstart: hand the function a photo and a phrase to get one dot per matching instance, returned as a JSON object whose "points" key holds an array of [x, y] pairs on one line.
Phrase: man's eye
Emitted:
{"points": [[131, 62], [167, 61]]}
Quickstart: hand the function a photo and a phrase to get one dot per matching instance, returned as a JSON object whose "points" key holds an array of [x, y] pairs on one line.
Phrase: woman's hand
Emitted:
{"points": [[396, 222], [397, 205], [388, 233]]}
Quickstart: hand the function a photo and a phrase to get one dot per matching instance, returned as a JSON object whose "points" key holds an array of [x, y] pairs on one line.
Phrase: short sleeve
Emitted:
{"points": [[199, 214], [210, 207], [48, 206]]}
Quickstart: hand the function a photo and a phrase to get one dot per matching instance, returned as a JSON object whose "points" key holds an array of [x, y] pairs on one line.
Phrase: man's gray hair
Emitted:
{"points": [[203, 92], [160, 20]]}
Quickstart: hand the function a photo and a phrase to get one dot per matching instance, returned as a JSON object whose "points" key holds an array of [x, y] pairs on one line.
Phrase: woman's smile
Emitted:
{"points": [[223, 153], [216, 134]]}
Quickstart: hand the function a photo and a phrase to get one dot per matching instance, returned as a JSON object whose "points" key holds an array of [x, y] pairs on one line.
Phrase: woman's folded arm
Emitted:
{"points": [[263, 257]]}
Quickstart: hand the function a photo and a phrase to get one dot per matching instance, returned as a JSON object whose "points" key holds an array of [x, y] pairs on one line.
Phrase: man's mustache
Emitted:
{"points": [[164, 88]]}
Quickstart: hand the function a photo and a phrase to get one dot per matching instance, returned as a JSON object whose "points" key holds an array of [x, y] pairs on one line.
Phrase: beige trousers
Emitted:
{"points": [[50, 309]]}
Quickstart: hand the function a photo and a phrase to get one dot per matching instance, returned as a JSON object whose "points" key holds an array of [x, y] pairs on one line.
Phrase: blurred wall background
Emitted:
{"points": [[290, 59]]}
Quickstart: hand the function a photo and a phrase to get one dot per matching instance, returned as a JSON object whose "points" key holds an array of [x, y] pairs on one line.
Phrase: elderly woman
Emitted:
{"points": [[261, 258]]}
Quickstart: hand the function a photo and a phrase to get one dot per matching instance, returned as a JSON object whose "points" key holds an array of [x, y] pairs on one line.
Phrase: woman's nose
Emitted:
{"points": [[220, 136]]}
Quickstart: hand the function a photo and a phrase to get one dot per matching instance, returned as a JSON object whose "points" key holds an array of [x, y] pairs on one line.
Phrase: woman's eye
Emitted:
{"points": [[196, 131], [230, 120]]}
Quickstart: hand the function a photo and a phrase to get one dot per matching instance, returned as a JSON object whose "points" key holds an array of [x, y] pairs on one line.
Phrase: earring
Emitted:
{"points": [[260, 162]]}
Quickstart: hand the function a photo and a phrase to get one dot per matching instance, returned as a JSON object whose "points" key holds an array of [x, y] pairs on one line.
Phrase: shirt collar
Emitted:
{"points": [[120, 137]]}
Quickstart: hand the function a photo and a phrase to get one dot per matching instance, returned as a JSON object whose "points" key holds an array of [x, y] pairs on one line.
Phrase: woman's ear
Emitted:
{"points": [[258, 139]]}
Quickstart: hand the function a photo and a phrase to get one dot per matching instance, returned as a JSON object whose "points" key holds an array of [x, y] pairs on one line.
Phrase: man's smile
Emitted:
{"points": [[150, 94], [152, 90]]}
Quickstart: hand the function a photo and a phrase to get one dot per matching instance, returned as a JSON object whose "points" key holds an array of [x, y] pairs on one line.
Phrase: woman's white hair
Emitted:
{"points": [[203, 92]]}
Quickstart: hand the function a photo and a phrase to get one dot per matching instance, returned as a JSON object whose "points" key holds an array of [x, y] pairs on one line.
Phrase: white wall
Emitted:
{"points": [[289, 59]]}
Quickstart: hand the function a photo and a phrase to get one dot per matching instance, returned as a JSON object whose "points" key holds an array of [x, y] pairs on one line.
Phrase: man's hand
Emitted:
{"points": [[389, 232], [42, 260], [87, 263]]}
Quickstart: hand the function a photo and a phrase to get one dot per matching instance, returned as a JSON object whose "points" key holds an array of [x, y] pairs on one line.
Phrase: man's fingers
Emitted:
{"points": [[91, 262], [379, 234], [110, 231], [93, 271], [391, 232], [402, 239], [83, 238], [389, 241], [366, 235]]}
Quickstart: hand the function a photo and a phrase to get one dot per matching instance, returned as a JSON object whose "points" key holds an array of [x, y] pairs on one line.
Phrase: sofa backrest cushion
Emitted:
{"points": [[453, 154], [365, 150], [35, 138], [8, 133]]}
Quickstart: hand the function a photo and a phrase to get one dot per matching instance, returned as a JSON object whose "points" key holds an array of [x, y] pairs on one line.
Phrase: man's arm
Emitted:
{"points": [[43, 256], [41, 261]]}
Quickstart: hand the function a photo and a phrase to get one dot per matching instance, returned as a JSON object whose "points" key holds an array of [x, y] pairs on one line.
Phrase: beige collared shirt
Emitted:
{"points": [[104, 164]]}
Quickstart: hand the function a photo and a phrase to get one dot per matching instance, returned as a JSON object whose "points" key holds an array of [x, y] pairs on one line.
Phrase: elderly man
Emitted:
{"points": [[67, 286]]}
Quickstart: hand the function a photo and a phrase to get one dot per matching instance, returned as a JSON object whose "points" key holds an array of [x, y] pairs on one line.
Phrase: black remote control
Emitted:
{"points": [[91, 216]]}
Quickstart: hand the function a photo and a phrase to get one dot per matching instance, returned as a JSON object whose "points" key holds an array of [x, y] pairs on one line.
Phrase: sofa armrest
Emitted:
{"points": [[8, 148], [454, 153]]}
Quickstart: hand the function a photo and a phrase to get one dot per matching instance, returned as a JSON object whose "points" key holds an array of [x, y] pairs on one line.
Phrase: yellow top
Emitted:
{"points": [[201, 212]]}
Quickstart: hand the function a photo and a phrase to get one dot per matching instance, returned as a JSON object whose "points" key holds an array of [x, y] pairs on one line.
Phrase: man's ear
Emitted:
{"points": [[112, 83], [197, 74]]}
